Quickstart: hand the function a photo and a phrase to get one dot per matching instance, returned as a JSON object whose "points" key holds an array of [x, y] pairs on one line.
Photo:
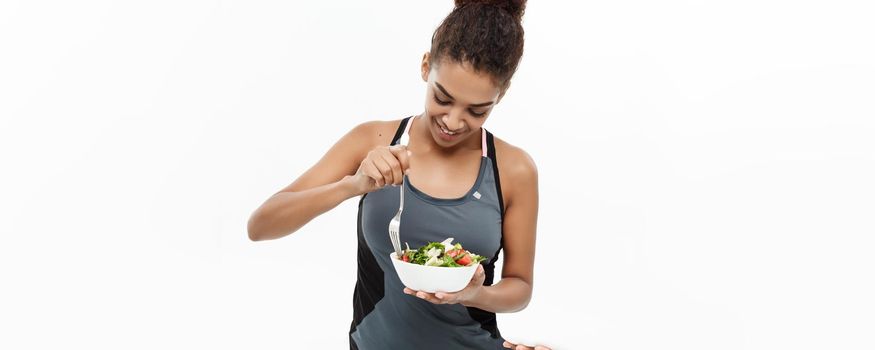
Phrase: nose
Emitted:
{"points": [[453, 120]]}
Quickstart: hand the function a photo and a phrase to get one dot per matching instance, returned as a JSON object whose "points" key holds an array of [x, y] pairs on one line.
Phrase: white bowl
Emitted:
{"points": [[433, 279]]}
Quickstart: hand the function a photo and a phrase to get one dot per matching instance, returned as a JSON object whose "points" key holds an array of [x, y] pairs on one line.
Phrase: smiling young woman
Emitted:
{"points": [[460, 181]]}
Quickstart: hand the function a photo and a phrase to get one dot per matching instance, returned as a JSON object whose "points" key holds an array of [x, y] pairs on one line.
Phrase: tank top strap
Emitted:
{"points": [[401, 132], [489, 151]]}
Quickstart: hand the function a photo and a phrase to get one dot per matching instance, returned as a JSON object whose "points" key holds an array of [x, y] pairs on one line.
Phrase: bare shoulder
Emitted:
{"points": [[347, 153], [514, 161], [516, 167], [370, 134], [376, 132]]}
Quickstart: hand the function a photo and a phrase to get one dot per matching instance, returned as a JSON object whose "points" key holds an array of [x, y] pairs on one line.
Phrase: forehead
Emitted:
{"points": [[464, 83]]}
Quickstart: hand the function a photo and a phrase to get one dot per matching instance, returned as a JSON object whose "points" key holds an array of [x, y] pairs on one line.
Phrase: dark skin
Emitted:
{"points": [[460, 100]]}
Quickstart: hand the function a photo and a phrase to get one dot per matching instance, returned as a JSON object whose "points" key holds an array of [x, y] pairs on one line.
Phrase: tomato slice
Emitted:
{"points": [[405, 258], [453, 253], [464, 260]]}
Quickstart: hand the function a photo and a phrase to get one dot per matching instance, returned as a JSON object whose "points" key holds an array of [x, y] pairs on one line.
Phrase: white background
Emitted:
{"points": [[705, 169]]}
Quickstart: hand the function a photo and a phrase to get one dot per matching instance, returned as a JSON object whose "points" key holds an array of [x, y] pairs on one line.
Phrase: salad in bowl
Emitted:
{"points": [[436, 267], [443, 254]]}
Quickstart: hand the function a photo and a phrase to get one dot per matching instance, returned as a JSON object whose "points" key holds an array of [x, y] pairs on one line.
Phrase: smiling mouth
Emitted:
{"points": [[445, 130]]}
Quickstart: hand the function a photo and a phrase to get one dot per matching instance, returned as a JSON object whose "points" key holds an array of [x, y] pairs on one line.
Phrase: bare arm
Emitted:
{"points": [[287, 211], [321, 188]]}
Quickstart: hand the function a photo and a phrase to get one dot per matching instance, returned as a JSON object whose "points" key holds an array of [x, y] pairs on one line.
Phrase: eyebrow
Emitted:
{"points": [[439, 86]]}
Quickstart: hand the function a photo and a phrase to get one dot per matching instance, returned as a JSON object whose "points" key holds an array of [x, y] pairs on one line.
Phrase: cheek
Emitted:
{"points": [[434, 108]]}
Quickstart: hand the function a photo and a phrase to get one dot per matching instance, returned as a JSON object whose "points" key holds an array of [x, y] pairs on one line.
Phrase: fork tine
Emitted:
{"points": [[394, 237]]}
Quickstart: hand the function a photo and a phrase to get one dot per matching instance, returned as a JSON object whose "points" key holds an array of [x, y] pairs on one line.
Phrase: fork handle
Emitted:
{"points": [[401, 206]]}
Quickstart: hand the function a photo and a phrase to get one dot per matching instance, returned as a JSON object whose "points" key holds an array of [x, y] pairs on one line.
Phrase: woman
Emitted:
{"points": [[451, 168]]}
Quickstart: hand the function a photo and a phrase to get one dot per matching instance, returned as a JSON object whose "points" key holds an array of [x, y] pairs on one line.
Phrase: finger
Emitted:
{"points": [[510, 345], [372, 172], [423, 296], [447, 298], [402, 154], [418, 294], [428, 297], [541, 347], [395, 166], [385, 169]]}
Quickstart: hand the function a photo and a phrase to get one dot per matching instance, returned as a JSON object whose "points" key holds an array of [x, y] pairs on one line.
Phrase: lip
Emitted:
{"points": [[442, 135]]}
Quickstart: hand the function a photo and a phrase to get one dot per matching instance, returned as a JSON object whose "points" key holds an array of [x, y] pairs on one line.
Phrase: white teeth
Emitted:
{"points": [[447, 131]]}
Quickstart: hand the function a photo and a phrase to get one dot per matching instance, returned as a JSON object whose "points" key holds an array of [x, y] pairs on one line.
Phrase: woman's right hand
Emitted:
{"points": [[384, 165]]}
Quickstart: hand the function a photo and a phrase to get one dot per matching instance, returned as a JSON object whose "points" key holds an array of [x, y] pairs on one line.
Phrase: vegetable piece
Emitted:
{"points": [[465, 260], [442, 254]]}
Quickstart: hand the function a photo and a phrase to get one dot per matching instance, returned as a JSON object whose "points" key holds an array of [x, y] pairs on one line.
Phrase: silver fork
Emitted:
{"points": [[395, 224]]}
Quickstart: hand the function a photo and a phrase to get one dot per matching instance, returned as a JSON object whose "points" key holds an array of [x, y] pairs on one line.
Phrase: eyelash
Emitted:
{"points": [[444, 103]]}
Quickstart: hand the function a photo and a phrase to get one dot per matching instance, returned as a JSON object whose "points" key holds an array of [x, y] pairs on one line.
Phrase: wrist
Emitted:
{"points": [[348, 186], [476, 298]]}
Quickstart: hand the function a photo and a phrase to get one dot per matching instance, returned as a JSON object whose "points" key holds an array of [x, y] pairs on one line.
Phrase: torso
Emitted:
{"points": [[453, 196]]}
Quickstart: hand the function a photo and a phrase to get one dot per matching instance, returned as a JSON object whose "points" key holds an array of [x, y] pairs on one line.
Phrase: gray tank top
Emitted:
{"points": [[386, 318]]}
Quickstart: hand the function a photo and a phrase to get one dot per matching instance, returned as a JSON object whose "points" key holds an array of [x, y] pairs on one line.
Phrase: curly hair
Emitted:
{"points": [[488, 34]]}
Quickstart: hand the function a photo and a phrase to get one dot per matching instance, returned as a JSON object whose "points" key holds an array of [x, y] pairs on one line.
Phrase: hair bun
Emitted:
{"points": [[514, 7]]}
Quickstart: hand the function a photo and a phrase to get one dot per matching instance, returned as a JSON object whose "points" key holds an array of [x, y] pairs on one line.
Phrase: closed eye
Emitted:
{"points": [[441, 102], [445, 103], [476, 114]]}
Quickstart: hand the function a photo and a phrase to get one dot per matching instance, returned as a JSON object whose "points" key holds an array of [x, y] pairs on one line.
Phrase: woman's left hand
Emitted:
{"points": [[461, 297]]}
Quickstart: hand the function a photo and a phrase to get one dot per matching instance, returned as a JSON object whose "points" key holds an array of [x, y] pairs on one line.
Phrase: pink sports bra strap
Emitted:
{"points": [[484, 146]]}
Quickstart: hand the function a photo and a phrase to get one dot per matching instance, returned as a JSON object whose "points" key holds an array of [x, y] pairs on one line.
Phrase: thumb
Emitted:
{"points": [[479, 275], [403, 155]]}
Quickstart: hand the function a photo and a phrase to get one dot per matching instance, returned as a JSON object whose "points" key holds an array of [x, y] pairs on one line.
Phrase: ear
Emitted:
{"points": [[426, 67]]}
